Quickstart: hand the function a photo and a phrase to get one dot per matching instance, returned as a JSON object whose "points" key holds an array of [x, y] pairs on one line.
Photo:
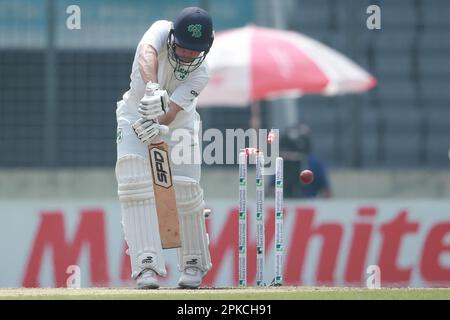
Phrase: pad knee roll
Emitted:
{"points": [[133, 179]]}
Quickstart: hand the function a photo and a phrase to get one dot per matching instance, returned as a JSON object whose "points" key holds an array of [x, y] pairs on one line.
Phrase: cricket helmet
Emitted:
{"points": [[193, 30]]}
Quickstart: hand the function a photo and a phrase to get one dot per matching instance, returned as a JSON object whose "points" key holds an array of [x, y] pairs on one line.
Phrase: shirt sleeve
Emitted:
{"points": [[185, 95], [156, 35]]}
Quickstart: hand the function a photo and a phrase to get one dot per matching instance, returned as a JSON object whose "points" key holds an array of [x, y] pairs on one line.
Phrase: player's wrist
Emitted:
{"points": [[151, 87]]}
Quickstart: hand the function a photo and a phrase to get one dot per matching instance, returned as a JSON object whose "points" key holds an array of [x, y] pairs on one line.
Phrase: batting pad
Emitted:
{"points": [[139, 219], [194, 251]]}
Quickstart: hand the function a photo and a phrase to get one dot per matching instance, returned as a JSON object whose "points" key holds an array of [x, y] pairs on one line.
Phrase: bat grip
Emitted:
{"points": [[163, 130]]}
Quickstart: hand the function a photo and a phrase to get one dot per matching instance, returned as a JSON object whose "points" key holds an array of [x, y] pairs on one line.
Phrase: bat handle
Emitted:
{"points": [[163, 130]]}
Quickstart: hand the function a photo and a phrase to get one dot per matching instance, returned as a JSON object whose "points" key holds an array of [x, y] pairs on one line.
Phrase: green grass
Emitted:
{"points": [[284, 293]]}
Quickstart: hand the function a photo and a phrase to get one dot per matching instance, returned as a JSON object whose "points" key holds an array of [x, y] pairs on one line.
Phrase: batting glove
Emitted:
{"points": [[146, 130], [153, 106]]}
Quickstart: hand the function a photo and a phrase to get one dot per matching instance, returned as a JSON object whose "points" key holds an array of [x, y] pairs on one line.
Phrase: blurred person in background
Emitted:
{"points": [[170, 58], [296, 150]]}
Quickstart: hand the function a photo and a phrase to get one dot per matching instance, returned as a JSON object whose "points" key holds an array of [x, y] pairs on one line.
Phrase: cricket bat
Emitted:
{"points": [[165, 199]]}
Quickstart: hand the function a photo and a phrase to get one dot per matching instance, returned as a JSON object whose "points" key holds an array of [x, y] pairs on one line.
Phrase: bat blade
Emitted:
{"points": [[165, 198]]}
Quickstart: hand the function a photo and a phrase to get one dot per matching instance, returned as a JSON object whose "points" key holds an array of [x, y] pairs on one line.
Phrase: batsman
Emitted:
{"points": [[169, 71]]}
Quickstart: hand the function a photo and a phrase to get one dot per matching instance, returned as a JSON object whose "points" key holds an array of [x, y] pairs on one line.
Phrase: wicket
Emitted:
{"points": [[243, 219], [260, 236], [260, 219]]}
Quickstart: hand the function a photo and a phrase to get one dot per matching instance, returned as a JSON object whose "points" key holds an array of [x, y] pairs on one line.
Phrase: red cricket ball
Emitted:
{"points": [[306, 176]]}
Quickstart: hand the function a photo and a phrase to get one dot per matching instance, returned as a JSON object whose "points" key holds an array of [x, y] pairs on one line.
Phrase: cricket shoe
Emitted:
{"points": [[147, 280], [191, 278]]}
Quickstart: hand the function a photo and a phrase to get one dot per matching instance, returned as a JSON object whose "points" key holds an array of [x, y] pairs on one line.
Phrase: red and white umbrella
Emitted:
{"points": [[250, 64]]}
